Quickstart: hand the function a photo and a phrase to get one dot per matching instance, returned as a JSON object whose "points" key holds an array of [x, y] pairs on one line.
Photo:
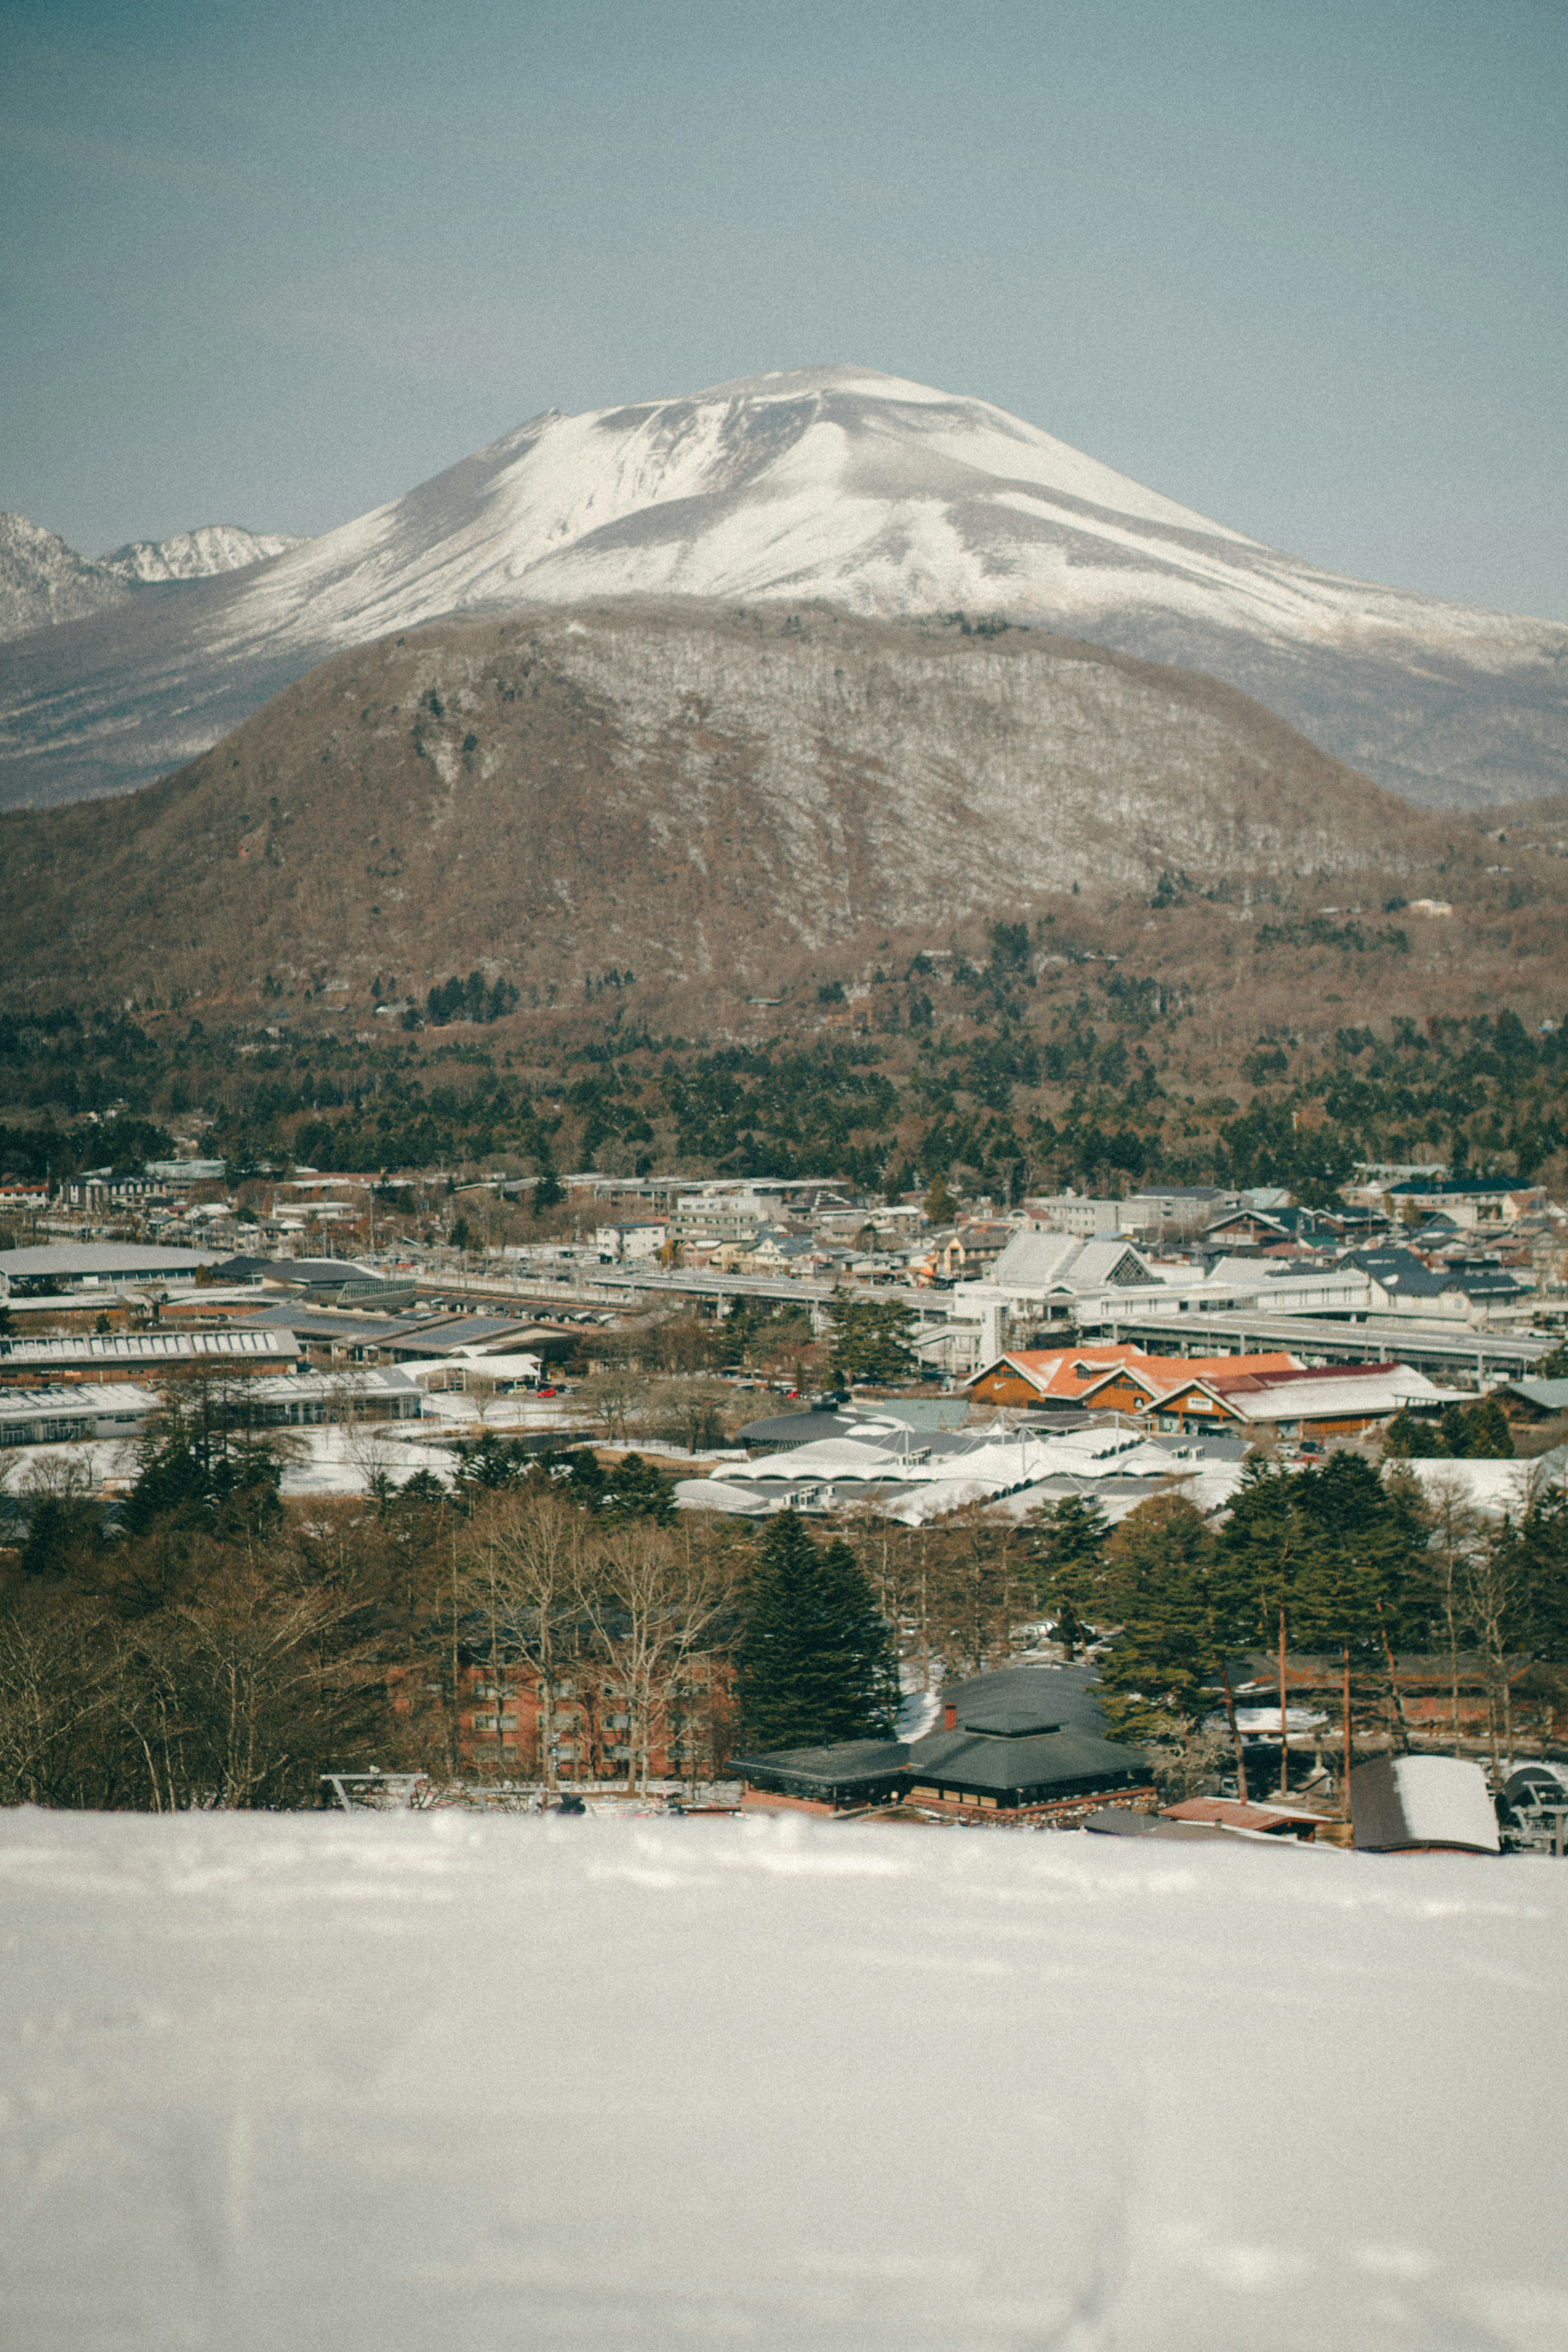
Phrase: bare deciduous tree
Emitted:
{"points": [[523, 1583], [616, 1397], [652, 1599]]}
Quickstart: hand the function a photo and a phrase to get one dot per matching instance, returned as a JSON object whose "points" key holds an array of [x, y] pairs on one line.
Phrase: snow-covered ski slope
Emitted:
{"points": [[401, 2083]]}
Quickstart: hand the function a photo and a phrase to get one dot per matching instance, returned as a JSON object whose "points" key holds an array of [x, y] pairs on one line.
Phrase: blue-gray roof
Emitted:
{"points": [[1551, 1395], [108, 1260], [1058, 1693], [1066, 1762]]}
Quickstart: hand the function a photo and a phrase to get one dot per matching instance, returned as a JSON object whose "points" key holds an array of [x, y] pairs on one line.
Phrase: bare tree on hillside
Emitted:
{"points": [[616, 1397], [691, 1412], [524, 1574], [654, 1600]]}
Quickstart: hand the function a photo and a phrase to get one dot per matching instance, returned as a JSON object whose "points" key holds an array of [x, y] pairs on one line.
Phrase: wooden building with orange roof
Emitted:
{"points": [[1113, 1378]]}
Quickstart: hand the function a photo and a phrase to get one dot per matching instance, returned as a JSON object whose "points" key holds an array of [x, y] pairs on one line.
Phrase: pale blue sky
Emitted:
{"points": [[1300, 266]]}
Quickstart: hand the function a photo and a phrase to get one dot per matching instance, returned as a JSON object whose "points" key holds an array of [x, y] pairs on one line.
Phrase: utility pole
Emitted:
{"points": [[1284, 1718]]}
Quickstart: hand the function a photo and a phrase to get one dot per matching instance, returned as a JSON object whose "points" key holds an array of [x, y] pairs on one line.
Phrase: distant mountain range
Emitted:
{"points": [[882, 497], [707, 798], [44, 582]]}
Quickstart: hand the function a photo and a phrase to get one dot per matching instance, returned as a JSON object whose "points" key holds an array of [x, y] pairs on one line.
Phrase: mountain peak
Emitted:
{"points": [[838, 483], [788, 383]]}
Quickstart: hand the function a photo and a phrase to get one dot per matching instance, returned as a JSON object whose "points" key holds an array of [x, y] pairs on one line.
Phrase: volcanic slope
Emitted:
{"points": [[881, 496], [703, 795]]}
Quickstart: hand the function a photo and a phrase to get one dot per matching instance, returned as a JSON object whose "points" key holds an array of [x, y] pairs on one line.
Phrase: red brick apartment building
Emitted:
{"points": [[588, 1726]]}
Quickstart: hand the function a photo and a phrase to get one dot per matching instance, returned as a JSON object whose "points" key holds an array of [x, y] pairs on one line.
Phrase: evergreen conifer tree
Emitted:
{"points": [[1454, 1423], [814, 1663], [1164, 1587], [1070, 1561], [871, 1339], [1409, 1439], [1488, 1435]]}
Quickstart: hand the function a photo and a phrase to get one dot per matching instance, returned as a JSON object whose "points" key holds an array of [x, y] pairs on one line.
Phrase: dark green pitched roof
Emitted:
{"points": [[1057, 1694], [844, 1766], [1053, 1763]]}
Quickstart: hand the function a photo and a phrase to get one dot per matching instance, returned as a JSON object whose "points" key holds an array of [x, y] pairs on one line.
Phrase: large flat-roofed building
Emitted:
{"points": [[56, 1416], [75, 1265], [1072, 1213], [305, 1399], [330, 1282], [145, 1355], [330, 1337], [1469, 1201]]}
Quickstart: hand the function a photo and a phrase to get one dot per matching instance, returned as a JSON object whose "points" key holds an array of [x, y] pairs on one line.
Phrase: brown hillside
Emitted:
{"points": [[701, 795]]}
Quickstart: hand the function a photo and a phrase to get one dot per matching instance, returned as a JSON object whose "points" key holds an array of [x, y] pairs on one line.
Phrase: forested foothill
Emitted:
{"points": [[216, 1640], [1060, 1051]]}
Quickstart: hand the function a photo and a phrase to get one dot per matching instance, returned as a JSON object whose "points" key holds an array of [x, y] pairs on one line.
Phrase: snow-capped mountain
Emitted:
{"points": [[873, 493], [197, 554], [43, 582]]}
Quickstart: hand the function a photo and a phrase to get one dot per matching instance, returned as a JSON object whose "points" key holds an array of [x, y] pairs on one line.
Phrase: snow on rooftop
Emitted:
{"points": [[428, 2080]]}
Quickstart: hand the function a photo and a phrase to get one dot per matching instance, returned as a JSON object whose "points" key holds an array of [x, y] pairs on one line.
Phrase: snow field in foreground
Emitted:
{"points": [[379, 2084]]}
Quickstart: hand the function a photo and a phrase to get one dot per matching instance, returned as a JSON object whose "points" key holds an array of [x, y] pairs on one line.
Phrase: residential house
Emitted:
{"points": [[1469, 1291], [965, 1252]]}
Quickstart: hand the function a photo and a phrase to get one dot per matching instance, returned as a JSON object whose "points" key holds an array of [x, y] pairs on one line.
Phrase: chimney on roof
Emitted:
{"points": [[950, 1716]]}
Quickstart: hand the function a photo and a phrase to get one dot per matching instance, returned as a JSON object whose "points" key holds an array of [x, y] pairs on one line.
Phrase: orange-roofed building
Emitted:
{"points": [[1120, 1379]]}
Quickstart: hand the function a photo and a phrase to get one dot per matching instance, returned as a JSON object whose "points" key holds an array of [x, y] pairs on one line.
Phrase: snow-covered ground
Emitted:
{"points": [[383, 2084]]}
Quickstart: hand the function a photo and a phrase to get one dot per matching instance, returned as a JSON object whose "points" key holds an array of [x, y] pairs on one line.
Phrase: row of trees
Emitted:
{"points": [[215, 1648], [1478, 1431], [219, 1648], [1331, 1559]]}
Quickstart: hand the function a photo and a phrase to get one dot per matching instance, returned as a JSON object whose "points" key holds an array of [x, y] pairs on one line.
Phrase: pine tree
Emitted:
{"points": [[1069, 1564], [813, 1661], [1162, 1586], [871, 1339], [1488, 1435], [1407, 1439], [940, 1206]]}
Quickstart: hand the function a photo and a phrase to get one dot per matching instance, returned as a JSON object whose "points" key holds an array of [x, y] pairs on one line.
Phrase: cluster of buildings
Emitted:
{"points": [[95, 1333], [1194, 1314]]}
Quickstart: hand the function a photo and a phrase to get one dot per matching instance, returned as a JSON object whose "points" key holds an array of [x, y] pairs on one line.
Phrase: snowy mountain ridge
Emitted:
{"points": [[200, 554], [44, 582], [885, 498]]}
